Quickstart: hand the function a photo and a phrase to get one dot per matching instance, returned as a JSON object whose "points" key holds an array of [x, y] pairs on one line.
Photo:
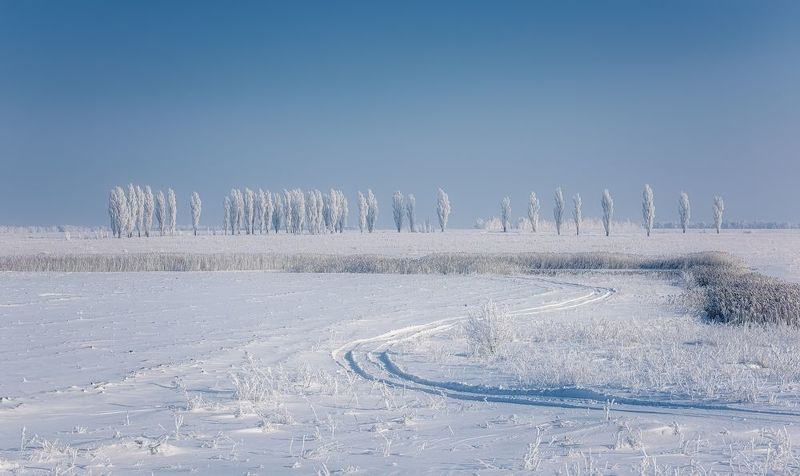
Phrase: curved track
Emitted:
{"points": [[371, 358]]}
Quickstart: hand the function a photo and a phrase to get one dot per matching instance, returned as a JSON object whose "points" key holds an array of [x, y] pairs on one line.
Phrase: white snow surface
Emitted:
{"points": [[281, 373]]}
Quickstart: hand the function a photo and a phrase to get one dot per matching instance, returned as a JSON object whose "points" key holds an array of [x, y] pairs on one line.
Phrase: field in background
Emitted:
{"points": [[773, 252]]}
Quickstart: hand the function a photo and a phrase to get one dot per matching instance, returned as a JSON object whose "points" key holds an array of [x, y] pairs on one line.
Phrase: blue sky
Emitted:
{"points": [[482, 98]]}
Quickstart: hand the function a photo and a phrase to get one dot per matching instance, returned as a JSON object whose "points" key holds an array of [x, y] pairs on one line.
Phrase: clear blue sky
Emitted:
{"points": [[482, 98]]}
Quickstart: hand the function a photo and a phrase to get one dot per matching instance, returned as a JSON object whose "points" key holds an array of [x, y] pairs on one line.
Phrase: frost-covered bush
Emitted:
{"points": [[679, 357], [733, 295], [442, 263], [488, 329]]}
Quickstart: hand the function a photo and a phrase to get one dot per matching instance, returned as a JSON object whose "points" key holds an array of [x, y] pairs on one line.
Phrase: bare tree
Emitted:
{"points": [[411, 212], [398, 210], [684, 210], [505, 212], [577, 203], [608, 210], [719, 207], [648, 209], [533, 212], [196, 206], [558, 209], [443, 209], [362, 212]]}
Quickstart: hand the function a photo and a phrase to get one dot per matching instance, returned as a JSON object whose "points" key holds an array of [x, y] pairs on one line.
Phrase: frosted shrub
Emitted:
{"points": [[488, 329]]}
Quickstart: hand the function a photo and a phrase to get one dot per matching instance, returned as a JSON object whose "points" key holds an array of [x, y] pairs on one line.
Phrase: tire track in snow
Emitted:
{"points": [[370, 359]]}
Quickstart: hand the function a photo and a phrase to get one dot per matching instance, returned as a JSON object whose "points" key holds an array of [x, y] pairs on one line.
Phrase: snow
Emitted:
{"points": [[770, 251], [282, 373]]}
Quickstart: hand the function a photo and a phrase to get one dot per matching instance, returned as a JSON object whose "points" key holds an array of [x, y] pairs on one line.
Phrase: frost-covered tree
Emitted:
{"points": [[311, 213], [372, 210], [226, 217], [505, 213], [133, 208], [237, 211], [258, 211], [398, 209], [443, 209], [362, 212], [577, 217], [196, 206], [558, 209], [249, 210], [319, 199], [118, 212], [719, 207], [684, 210], [277, 213], [139, 210], [269, 210], [608, 210], [148, 207], [161, 211], [411, 212], [172, 211], [287, 211], [648, 209], [344, 211], [533, 212]]}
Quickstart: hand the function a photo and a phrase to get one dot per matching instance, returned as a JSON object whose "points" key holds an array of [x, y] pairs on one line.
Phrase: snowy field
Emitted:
{"points": [[282, 373]]}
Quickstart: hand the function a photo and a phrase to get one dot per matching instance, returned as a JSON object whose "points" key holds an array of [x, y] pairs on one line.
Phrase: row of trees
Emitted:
{"points": [[294, 211], [406, 209], [607, 204], [297, 211], [133, 212]]}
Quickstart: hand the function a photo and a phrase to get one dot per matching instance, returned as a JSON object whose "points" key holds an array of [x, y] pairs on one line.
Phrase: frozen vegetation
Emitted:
{"points": [[386, 352]]}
